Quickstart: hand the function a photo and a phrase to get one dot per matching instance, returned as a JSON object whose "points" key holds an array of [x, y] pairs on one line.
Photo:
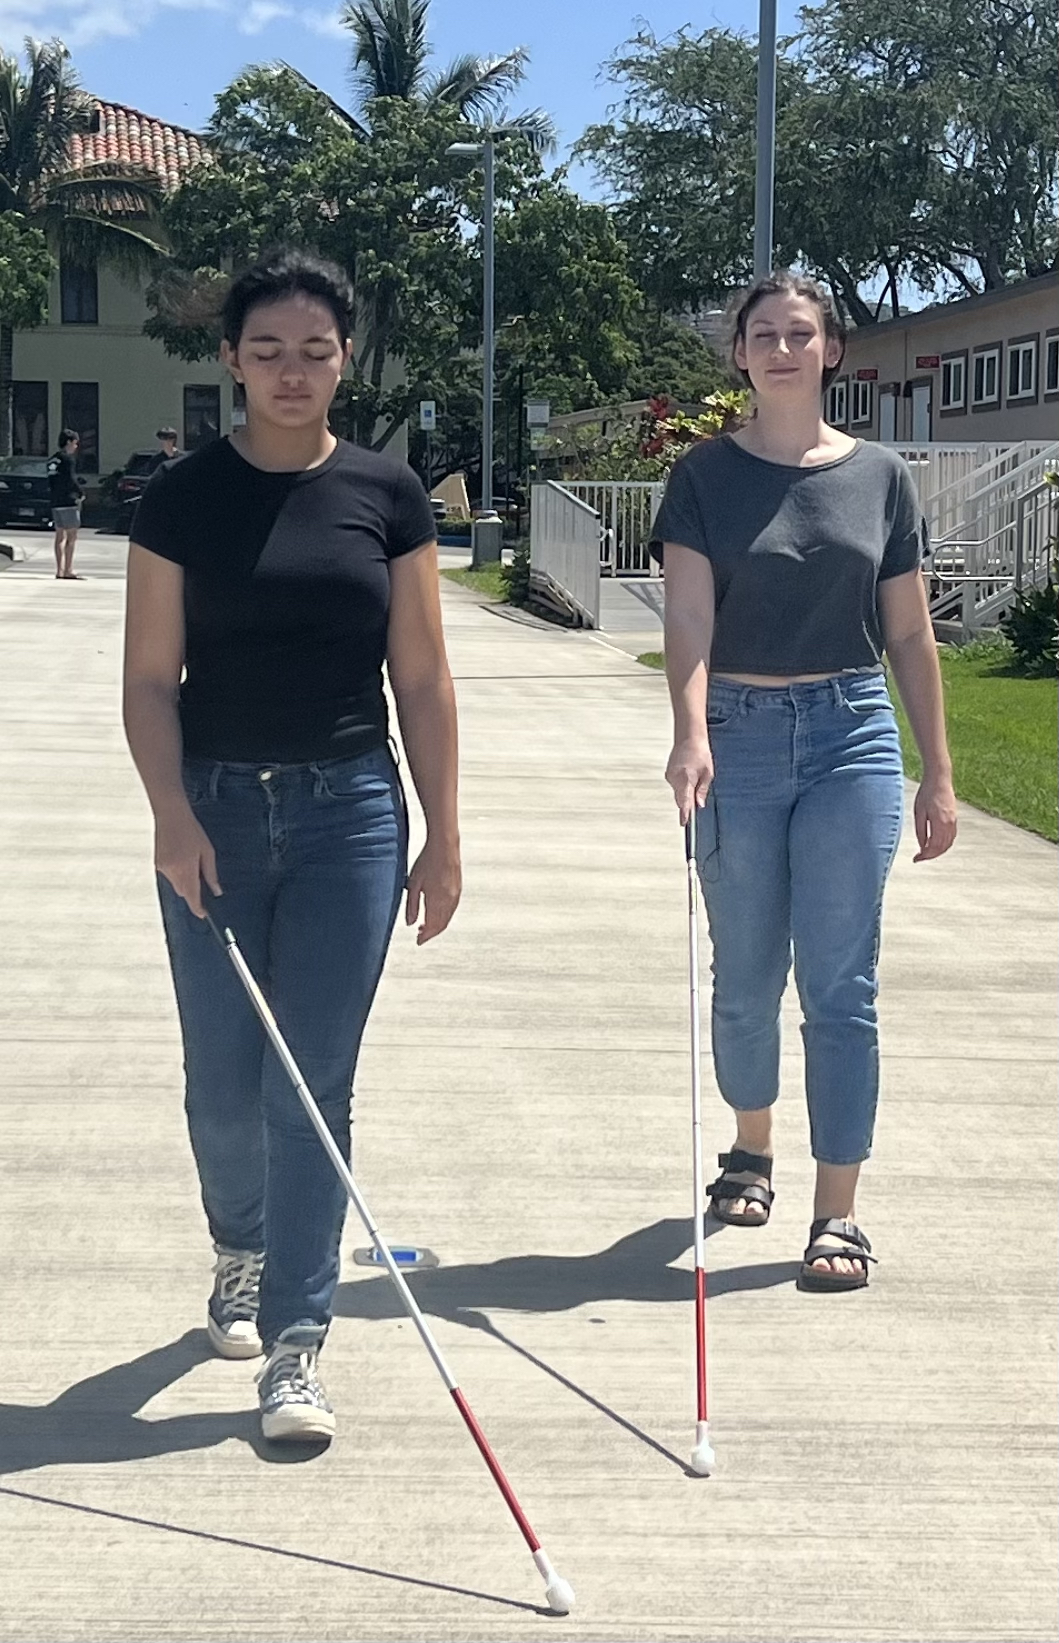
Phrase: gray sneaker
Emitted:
{"points": [[294, 1406], [231, 1317]]}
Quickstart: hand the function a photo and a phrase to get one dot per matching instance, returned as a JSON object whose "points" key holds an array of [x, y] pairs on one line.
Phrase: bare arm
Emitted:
{"points": [[426, 707], [913, 656], [688, 639], [154, 658]]}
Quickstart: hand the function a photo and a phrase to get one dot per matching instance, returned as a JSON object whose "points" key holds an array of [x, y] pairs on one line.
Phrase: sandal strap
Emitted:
{"points": [[724, 1187], [738, 1162], [857, 1246]]}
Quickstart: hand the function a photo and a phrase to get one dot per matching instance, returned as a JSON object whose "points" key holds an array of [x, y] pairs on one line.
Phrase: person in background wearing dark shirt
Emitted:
{"points": [[277, 570], [168, 449], [66, 498]]}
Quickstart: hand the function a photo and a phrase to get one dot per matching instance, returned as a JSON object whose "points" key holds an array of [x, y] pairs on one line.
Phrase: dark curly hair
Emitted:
{"points": [[284, 272], [782, 283]]}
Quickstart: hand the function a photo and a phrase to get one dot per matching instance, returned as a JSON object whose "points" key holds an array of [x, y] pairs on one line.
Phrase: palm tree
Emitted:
{"points": [[391, 58], [104, 212]]}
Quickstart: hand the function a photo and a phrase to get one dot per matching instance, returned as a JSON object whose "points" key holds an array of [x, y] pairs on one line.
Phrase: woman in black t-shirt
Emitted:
{"points": [[271, 574]]}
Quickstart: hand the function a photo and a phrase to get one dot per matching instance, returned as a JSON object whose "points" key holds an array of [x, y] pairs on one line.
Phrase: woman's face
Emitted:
{"points": [[785, 352], [290, 359]]}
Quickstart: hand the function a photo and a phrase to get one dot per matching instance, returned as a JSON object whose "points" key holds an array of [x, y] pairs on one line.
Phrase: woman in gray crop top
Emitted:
{"points": [[792, 557]]}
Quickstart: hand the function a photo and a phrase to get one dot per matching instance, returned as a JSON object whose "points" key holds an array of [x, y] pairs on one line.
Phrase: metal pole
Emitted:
{"points": [[519, 421], [765, 174], [488, 340]]}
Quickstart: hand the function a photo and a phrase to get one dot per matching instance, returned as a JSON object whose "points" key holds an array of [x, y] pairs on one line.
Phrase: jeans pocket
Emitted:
{"points": [[875, 701], [197, 776], [707, 841]]}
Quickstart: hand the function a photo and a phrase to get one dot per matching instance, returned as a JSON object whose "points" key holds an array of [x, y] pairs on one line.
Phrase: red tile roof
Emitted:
{"points": [[133, 138]]}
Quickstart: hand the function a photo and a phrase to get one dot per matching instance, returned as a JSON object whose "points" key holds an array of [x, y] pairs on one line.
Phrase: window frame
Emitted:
{"points": [[75, 280], [1019, 348], [865, 388], [985, 352], [87, 429], [1051, 352], [839, 386], [193, 441], [43, 407], [954, 407]]}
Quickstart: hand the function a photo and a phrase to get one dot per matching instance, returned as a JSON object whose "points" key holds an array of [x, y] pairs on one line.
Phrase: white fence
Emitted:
{"points": [[1004, 544], [564, 550], [947, 476], [626, 509]]}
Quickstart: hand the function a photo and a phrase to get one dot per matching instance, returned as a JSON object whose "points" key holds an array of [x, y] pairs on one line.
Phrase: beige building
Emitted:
{"points": [[985, 369], [90, 367]]}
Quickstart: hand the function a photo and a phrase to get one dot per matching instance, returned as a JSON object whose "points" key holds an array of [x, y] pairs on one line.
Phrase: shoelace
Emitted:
{"points": [[291, 1374], [239, 1283]]}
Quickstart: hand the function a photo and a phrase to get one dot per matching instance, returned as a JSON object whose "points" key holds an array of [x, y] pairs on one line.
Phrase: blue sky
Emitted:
{"points": [[169, 58]]}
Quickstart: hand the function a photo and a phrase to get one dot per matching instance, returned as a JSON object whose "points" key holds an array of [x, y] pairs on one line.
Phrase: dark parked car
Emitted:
{"points": [[131, 484], [25, 494]]}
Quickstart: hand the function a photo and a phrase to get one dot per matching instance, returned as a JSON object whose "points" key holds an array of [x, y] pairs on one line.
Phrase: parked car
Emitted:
{"points": [[25, 493], [131, 484]]}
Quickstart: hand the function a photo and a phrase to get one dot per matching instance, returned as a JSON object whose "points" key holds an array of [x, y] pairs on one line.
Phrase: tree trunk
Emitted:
{"points": [[7, 381]]}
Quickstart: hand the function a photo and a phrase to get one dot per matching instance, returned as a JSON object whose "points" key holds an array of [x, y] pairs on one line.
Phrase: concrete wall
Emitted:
{"points": [[141, 388], [959, 332]]}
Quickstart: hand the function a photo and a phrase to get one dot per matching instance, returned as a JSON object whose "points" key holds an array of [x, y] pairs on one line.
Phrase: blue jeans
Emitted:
{"points": [[794, 847], [312, 862]]}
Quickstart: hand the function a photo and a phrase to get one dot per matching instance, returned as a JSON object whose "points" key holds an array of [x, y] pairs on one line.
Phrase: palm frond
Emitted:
{"points": [[535, 127], [478, 85], [40, 112], [391, 51], [132, 248]]}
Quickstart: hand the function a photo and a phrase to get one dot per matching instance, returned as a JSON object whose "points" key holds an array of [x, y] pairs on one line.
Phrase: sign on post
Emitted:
{"points": [[428, 415], [538, 413]]}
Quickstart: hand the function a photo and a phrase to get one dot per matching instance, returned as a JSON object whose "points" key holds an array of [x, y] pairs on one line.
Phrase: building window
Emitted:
{"points": [[987, 377], [202, 415], [79, 293], [1051, 365], [29, 419], [80, 411], [1022, 370], [863, 403], [953, 384], [838, 403]]}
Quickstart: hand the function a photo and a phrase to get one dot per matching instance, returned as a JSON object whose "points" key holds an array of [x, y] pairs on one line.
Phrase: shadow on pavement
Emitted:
{"points": [[636, 1268]]}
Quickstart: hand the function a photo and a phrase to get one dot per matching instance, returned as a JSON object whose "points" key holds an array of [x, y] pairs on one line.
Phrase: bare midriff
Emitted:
{"points": [[768, 681]]}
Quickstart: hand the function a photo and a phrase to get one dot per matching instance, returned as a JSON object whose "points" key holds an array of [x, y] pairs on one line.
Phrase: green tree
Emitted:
{"points": [[99, 213], [915, 141], [289, 169]]}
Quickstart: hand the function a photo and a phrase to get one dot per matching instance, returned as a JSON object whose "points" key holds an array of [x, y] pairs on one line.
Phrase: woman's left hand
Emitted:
{"points": [[434, 884], [935, 817]]}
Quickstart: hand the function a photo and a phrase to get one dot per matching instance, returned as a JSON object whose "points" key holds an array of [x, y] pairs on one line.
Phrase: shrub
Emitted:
{"points": [[1032, 628], [516, 576]]}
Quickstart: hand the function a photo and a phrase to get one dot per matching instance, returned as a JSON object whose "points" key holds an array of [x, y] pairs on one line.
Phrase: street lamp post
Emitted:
{"points": [[765, 170], [486, 152]]}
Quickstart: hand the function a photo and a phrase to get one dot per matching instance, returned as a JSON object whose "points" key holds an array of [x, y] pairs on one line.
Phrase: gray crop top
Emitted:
{"points": [[797, 553]]}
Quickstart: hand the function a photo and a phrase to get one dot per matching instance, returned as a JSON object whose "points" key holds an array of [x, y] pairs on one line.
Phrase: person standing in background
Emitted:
{"points": [[66, 499]]}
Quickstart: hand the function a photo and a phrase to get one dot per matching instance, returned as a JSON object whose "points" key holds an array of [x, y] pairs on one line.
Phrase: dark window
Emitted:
{"points": [[79, 288], [29, 419], [80, 411], [202, 415]]}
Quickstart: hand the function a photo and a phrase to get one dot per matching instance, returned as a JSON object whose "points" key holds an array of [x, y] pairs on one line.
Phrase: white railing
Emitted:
{"points": [[1005, 545], [948, 476], [626, 509], [564, 550]]}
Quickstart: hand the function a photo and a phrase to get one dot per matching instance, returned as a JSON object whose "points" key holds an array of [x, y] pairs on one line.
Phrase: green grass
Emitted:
{"points": [[489, 580], [1003, 732]]}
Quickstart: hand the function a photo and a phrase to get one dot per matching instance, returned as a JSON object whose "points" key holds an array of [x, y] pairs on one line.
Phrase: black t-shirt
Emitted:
{"points": [[62, 481], [286, 597]]}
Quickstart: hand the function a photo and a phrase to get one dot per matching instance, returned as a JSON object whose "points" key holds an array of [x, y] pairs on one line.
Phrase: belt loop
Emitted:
{"points": [[744, 701], [318, 779], [215, 780], [836, 690]]}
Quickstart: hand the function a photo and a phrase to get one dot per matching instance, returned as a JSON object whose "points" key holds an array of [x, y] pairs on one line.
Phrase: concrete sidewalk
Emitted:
{"points": [[888, 1458]]}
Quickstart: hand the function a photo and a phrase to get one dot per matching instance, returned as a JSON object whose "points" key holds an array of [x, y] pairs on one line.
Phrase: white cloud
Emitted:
{"points": [[259, 15], [327, 23]]}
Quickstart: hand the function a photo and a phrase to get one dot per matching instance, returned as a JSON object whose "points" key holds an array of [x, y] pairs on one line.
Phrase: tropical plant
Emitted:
{"points": [[106, 212]]}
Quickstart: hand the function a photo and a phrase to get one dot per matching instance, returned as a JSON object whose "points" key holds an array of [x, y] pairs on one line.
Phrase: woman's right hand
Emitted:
{"points": [[689, 773], [184, 855]]}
